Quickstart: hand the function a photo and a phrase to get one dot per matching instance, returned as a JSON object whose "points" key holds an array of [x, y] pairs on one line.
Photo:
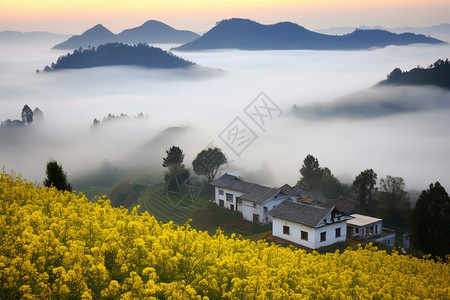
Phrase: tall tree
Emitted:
{"points": [[364, 186], [394, 190], [208, 162], [38, 115], [27, 115], [316, 178], [174, 158], [56, 177], [430, 221], [311, 173]]}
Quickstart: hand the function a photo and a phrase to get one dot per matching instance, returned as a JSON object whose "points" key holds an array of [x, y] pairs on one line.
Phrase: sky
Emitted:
{"points": [[74, 17]]}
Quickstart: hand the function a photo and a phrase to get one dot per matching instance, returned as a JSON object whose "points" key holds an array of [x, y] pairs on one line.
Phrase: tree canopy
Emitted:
{"points": [[208, 162], [364, 186], [430, 221], [174, 158], [316, 178], [27, 115], [56, 177]]}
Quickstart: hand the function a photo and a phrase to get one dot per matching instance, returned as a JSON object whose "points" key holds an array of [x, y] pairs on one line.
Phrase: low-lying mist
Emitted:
{"points": [[200, 107]]}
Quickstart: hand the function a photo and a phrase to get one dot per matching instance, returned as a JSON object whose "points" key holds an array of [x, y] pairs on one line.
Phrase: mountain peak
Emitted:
{"points": [[98, 29]]}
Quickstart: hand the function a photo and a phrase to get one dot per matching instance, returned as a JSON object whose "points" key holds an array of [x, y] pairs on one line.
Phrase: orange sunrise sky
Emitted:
{"points": [[74, 17]]}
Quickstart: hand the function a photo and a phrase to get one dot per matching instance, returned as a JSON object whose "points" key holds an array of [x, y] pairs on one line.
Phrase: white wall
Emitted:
{"points": [[313, 233], [247, 209], [223, 197]]}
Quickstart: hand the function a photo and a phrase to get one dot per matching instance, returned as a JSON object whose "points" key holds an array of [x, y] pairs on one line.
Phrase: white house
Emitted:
{"points": [[370, 228], [307, 225], [254, 201]]}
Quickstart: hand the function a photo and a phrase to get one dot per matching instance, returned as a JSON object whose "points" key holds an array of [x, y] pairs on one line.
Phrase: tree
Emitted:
{"points": [[27, 115], [208, 162], [38, 115], [364, 186], [311, 173], [393, 189], [174, 158], [316, 178], [430, 221], [56, 177], [393, 200]]}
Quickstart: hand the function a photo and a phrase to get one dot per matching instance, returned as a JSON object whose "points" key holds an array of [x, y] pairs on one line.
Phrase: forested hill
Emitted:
{"points": [[437, 74], [114, 54], [249, 35]]}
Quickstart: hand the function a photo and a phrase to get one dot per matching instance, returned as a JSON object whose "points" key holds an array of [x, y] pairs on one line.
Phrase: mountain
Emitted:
{"points": [[114, 54], [95, 36], [15, 37], [156, 32], [441, 31], [437, 74], [249, 35], [414, 91], [150, 32]]}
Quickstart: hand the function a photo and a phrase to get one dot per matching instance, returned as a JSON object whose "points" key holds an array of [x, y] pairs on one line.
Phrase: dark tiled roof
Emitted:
{"points": [[312, 216], [233, 183], [344, 204], [302, 193], [260, 194], [252, 191]]}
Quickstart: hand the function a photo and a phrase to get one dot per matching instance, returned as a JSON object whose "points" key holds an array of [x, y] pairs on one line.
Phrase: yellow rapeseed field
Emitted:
{"points": [[56, 245]]}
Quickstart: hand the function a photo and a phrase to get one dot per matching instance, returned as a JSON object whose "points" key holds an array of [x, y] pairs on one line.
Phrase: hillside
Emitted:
{"points": [[249, 35], [437, 74], [117, 54], [61, 246], [150, 32]]}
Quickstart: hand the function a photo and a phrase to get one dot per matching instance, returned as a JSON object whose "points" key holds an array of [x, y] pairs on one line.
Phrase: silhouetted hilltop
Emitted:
{"points": [[95, 36], [114, 54], [437, 74], [249, 35], [156, 32], [150, 32]]}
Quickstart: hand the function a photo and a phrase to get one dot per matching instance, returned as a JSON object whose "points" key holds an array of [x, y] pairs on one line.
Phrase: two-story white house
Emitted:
{"points": [[254, 201], [307, 225]]}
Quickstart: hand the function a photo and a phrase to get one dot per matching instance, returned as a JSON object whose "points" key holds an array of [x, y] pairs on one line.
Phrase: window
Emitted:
{"points": [[376, 228], [265, 209], [229, 197], [220, 192], [221, 203], [231, 206], [323, 236], [254, 204], [255, 218], [286, 229], [304, 235], [356, 230], [338, 232]]}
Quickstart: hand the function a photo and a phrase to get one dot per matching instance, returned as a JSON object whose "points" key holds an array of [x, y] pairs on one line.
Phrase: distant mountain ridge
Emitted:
{"points": [[246, 34], [14, 37], [118, 54], [150, 32], [442, 29]]}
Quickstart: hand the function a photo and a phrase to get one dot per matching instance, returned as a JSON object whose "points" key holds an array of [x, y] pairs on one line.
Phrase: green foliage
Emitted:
{"points": [[430, 221], [364, 186], [208, 162], [56, 177], [316, 178], [174, 158]]}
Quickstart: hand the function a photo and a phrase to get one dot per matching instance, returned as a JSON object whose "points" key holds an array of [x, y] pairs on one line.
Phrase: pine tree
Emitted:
{"points": [[56, 177]]}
